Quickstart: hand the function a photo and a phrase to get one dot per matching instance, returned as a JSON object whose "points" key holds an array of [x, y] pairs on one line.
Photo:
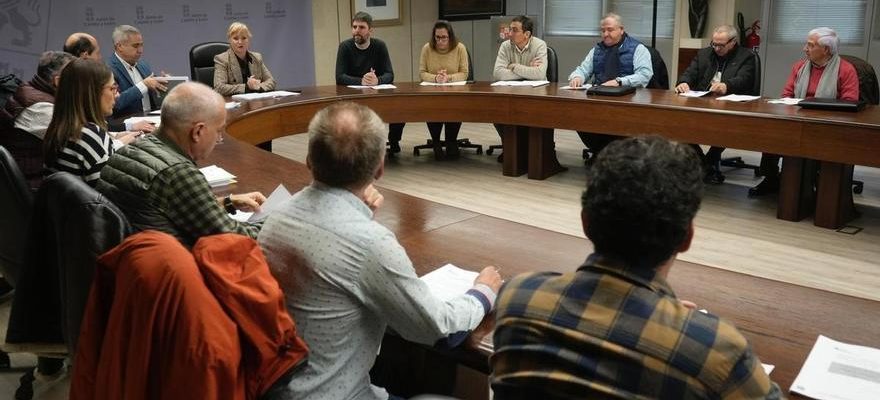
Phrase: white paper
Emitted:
{"points": [[217, 176], [739, 97], [840, 371], [581, 87], [449, 281], [272, 203], [377, 87], [170, 78], [768, 368], [459, 83], [232, 104], [241, 216], [155, 120], [264, 95], [694, 93], [521, 83], [155, 112], [785, 100]]}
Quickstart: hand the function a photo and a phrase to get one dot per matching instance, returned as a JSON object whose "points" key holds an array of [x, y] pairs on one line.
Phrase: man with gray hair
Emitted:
{"points": [[32, 103], [723, 68], [822, 74], [155, 180], [344, 275], [138, 88]]}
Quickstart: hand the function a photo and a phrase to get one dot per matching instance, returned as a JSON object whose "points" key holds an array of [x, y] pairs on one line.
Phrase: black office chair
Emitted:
{"points": [[737, 162], [463, 143], [869, 92], [27, 150], [16, 201], [201, 61], [552, 76]]}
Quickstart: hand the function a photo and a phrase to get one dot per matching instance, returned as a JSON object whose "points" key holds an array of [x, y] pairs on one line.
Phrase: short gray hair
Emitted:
{"points": [[728, 30], [346, 145], [51, 64], [188, 104], [613, 16], [122, 32], [827, 38]]}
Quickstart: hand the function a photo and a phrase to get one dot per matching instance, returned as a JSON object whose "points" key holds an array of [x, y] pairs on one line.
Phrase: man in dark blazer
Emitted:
{"points": [[723, 68], [138, 88]]}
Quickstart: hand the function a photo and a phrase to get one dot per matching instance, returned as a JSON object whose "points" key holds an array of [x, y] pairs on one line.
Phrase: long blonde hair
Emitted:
{"points": [[77, 102]]}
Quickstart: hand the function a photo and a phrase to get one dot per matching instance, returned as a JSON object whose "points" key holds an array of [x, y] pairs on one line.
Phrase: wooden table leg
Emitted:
{"points": [[542, 154], [796, 198], [516, 148], [834, 202]]}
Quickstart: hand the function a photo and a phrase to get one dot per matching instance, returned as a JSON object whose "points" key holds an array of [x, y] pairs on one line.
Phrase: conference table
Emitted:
{"points": [[836, 139], [781, 320]]}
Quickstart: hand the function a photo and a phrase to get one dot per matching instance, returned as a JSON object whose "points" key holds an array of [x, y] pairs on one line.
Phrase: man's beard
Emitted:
{"points": [[359, 39]]}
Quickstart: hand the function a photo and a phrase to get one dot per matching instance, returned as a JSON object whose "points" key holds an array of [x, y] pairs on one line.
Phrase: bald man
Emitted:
{"points": [[83, 45], [156, 183]]}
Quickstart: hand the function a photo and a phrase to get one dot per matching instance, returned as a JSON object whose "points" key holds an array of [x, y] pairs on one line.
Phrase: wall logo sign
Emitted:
{"points": [[190, 16], [232, 15], [142, 18], [272, 12]]}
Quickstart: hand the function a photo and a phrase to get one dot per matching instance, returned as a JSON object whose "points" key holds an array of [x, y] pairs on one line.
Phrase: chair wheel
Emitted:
{"points": [[479, 151], [5, 363], [489, 151], [858, 189], [25, 390]]}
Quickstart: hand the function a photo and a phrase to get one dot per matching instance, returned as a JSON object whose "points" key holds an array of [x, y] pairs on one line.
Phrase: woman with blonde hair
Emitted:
{"points": [[77, 140], [444, 59], [239, 70]]}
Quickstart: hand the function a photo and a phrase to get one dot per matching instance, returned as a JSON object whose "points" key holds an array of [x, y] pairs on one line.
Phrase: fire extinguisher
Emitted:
{"points": [[753, 40]]}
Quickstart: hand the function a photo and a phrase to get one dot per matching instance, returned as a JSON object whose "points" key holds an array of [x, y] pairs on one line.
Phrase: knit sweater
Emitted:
{"points": [[454, 61]]}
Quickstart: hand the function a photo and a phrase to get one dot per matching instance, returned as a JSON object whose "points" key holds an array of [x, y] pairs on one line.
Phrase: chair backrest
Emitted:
{"points": [[868, 87], [470, 76], [552, 65], [756, 89], [660, 80], [16, 202], [27, 150], [201, 61]]}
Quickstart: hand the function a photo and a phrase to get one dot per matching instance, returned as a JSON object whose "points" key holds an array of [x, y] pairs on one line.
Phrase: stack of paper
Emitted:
{"points": [[449, 281], [521, 83], [836, 370], [272, 203], [694, 93], [217, 176], [581, 87], [133, 120], [785, 100], [739, 97], [459, 83], [264, 95], [383, 86], [232, 104]]}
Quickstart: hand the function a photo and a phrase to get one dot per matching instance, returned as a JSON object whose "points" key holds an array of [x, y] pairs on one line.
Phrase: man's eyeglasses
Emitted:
{"points": [[438, 37], [720, 45]]}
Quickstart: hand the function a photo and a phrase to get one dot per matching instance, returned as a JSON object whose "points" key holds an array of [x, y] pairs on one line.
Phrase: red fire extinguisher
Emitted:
{"points": [[753, 41]]}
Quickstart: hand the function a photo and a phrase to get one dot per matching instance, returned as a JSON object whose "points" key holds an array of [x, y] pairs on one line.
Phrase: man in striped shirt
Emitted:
{"points": [[614, 328]]}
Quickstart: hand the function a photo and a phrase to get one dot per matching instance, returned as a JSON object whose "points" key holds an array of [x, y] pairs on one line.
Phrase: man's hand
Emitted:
{"points": [[485, 328], [249, 202], [156, 83], [610, 82], [718, 88], [575, 82], [253, 83], [512, 66], [370, 78], [689, 304], [682, 88], [490, 277], [143, 126], [536, 62], [372, 198]]}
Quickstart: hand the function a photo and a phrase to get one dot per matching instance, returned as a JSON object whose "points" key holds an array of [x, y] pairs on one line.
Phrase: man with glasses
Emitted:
{"points": [[138, 88], [364, 60], [618, 60], [155, 180], [723, 68]]}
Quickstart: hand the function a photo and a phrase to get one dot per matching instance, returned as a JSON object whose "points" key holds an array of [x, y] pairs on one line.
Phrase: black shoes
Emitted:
{"points": [[767, 186], [394, 147], [713, 176]]}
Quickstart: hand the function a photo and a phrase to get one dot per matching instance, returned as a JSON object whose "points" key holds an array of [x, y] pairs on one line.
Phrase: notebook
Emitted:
{"points": [[832, 104], [611, 90]]}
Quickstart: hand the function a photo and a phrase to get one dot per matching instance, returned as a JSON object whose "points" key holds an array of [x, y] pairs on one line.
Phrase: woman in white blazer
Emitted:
{"points": [[239, 70]]}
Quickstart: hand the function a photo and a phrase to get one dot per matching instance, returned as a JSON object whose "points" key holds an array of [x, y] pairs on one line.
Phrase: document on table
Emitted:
{"points": [[459, 83], [581, 87], [151, 119], [264, 95], [278, 197], [232, 104], [377, 87], [739, 97], [694, 93], [840, 371], [521, 83], [449, 281], [785, 100], [217, 176]]}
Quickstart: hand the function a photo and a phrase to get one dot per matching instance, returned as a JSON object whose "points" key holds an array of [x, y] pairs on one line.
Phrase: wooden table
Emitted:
{"points": [[781, 320], [835, 138]]}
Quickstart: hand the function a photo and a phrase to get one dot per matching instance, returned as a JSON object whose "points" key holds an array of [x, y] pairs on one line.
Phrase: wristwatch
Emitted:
{"points": [[227, 204], [619, 81]]}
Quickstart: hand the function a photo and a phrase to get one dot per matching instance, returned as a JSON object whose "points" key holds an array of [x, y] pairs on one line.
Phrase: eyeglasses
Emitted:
{"points": [[515, 30], [720, 45], [439, 37], [113, 88]]}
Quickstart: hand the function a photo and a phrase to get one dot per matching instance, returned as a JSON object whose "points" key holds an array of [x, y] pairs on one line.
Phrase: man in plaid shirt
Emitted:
{"points": [[155, 180], [614, 328]]}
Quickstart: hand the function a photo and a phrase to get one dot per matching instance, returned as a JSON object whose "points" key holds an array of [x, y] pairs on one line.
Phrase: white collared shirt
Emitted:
{"points": [[138, 81]]}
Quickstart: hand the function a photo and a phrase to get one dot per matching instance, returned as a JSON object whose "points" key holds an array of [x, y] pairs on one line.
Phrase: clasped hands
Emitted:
{"points": [[716, 87]]}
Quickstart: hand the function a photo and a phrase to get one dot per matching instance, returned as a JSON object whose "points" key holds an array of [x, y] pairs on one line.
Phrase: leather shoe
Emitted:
{"points": [[452, 152], [395, 148], [713, 176], [439, 154], [501, 158], [767, 186]]}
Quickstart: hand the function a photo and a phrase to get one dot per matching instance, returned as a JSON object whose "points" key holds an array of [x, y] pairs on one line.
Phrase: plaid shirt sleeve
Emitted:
{"points": [[189, 202]]}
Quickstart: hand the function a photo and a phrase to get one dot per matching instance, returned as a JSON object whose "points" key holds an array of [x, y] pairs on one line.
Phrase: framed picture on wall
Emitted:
{"points": [[384, 12], [456, 10]]}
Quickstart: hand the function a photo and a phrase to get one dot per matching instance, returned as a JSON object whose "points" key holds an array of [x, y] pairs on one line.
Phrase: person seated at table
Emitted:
{"points": [[614, 328], [364, 60], [723, 68], [138, 88], [444, 59], [76, 139], [239, 70], [345, 276], [822, 74], [155, 180], [618, 60], [522, 57]]}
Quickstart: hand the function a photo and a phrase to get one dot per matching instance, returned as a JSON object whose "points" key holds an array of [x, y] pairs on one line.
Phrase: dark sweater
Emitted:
{"points": [[352, 63]]}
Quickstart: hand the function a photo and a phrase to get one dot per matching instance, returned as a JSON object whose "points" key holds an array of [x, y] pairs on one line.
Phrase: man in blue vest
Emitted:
{"points": [[618, 60]]}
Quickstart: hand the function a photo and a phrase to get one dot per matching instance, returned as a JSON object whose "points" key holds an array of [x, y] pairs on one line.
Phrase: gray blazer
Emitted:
{"points": [[227, 73]]}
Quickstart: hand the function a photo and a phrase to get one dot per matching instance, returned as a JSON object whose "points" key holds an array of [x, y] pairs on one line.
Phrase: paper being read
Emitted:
{"points": [[449, 281]]}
